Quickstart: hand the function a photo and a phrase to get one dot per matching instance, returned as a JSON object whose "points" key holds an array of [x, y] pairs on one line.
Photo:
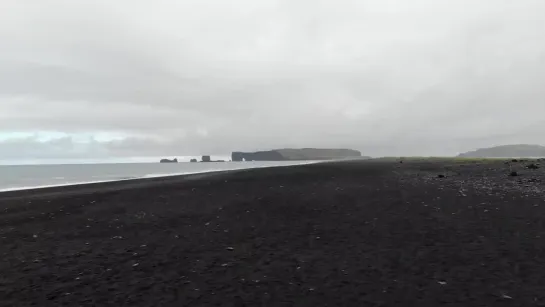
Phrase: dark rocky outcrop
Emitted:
{"points": [[507, 151], [207, 159], [532, 166], [175, 160], [289, 154]]}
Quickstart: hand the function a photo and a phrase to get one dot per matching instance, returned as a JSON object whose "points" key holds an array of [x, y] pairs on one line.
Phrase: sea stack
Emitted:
{"points": [[175, 160]]}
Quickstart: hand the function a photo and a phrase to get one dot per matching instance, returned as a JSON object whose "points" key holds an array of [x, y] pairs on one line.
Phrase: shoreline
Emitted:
{"points": [[82, 184], [125, 184]]}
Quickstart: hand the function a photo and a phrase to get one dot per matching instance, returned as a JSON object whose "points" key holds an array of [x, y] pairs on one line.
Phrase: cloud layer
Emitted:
{"points": [[388, 77]]}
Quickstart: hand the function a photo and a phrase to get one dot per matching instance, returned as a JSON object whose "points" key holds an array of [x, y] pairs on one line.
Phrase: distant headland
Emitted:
{"points": [[290, 154], [286, 154], [507, 151]]}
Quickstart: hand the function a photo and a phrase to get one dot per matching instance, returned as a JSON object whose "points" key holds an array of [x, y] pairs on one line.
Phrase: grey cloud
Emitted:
{"points": [[386, 77]]}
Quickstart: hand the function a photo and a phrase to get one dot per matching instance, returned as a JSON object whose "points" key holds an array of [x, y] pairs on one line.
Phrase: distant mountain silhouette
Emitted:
{"points": [[507, 151], [290, 154]]}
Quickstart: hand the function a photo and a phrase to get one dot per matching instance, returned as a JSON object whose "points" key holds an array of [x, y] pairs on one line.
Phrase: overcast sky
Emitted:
{"points": [[131, 78]]}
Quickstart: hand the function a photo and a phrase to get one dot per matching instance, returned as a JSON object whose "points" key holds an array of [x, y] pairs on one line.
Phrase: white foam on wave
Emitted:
{"points": [[151, 175], [32, 187]]}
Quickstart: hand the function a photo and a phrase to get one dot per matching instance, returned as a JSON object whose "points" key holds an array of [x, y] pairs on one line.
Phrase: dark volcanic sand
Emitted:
{"points": [[339, 234]]}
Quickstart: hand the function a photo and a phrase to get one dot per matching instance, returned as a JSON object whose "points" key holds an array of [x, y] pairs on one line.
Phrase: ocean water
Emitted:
{"points": [[20, 177]]}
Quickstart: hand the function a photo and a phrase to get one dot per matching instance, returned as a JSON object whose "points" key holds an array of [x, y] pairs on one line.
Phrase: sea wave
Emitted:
{"points": [[32, 187], [115, 178]]}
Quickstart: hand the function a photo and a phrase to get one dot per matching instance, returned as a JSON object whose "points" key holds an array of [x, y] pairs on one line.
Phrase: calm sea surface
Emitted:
{"points": [[19, 177]]}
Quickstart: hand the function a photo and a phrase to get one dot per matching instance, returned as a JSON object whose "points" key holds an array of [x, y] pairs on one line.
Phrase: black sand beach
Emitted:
{"points": [[367, 233]]}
